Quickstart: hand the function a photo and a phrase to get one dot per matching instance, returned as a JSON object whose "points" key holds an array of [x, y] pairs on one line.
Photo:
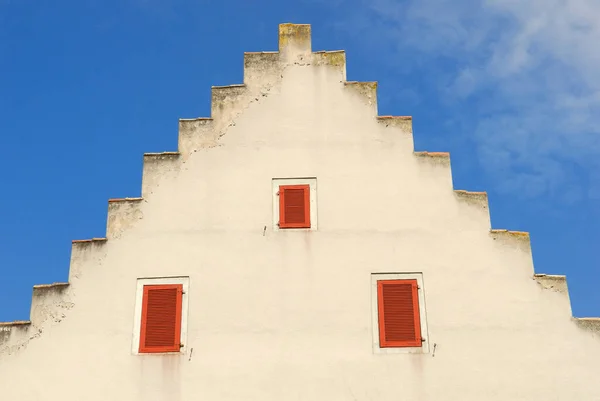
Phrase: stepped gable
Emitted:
{"points": [[262, 75]]}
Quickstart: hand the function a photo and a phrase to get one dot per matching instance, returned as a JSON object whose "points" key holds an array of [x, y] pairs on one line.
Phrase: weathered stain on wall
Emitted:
{"points": [[590, 324]]}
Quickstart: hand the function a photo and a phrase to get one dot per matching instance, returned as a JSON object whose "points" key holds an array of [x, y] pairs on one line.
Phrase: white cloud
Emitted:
{"points": [[533, 70]]}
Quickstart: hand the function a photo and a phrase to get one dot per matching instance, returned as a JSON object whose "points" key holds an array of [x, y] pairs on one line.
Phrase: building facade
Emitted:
{"points": [[295, 247]]}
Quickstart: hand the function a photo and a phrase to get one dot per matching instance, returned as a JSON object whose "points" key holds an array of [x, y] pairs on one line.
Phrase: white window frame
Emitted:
{"points": [[137, 319], [312, 183], [424, 348]]}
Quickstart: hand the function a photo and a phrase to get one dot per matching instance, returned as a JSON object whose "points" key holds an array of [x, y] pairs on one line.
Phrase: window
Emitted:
{"points": [[161, 310], [399, 318], [398, 310], [294, 206], [294, 203], [161, 318]]}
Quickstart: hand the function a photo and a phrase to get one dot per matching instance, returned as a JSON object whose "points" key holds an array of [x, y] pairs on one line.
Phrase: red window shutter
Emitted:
{"points": [[398, 309], [294, 206], [161, 318]]}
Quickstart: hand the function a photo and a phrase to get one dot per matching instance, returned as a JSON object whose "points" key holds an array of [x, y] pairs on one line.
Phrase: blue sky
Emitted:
{"points": [[511, 89]]}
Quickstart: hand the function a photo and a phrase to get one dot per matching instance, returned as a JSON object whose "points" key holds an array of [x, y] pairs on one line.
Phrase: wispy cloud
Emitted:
{"points": [[529, 72]]}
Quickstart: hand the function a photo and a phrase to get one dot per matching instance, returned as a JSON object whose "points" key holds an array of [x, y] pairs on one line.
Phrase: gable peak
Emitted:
{"points": [[294, 39]]}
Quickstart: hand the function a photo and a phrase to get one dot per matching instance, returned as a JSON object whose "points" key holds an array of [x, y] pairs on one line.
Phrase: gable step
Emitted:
{"points": [[261, 68], [51, 287], [15, 323], [295, 47], [82, 252], [162, 155], [194, 134], [13, 335], [81, 241], [514, 234], [437, 158], [294, 41], [137, 199], [516, 239], [187, 120], [557, 283], [156, 168], [367, 91], [399, 123], [478, 200], [228, 86], [475, 198], [224, 99], [471, 194], [227, 103], [402, 122], [334, 60], [123, 213], [265, 68], [49, 301]]}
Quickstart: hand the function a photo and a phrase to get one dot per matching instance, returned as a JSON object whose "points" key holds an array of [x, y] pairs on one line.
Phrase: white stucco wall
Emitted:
{"points": [[276, 315]]}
